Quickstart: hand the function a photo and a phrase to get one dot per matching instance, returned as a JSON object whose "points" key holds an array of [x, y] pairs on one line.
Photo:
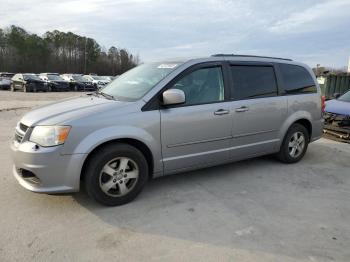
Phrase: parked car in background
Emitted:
{"points": [[109, 78], [337, 117], [28, 83], [5, 80], [77, 82], [168, 117], [55, 82], [98, 81]]}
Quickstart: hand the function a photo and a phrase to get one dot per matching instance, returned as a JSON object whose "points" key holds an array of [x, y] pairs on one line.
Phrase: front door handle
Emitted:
{"points": [[221, 112], [242, 109]]}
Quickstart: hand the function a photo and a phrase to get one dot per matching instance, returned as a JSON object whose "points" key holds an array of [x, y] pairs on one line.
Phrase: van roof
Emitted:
{"points": [[232, 57]]}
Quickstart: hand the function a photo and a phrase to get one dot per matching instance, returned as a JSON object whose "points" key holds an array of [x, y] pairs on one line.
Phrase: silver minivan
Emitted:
{"points": [[168, 117]]}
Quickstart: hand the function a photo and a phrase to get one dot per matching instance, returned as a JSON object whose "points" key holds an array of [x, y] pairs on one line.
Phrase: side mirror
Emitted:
{"points": [[336, 95], [173, 97]]}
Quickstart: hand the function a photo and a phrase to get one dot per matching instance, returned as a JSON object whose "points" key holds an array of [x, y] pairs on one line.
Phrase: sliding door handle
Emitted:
{"points": [[221, 112], [242, 109]]}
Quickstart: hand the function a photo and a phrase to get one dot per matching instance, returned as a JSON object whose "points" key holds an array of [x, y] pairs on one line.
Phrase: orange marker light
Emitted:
{"points": [[62, 134]]}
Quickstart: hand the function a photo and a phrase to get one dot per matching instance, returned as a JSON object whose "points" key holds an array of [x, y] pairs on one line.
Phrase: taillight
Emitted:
{"points": [[323, 103]]}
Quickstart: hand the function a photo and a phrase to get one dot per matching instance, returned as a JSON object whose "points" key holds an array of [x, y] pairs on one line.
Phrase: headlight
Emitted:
{"points": [[49, 135]]}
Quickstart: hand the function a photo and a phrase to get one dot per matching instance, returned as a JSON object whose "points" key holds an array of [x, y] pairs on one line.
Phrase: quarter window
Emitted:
{"points": [[253, 82], [297, 80], [204, 85]]}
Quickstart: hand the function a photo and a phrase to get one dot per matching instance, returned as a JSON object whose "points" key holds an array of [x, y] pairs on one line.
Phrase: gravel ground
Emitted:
{"points": [[254, 210]]}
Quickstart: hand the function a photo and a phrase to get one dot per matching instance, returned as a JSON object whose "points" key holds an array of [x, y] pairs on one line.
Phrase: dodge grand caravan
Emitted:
{"points": [[165, 118]]}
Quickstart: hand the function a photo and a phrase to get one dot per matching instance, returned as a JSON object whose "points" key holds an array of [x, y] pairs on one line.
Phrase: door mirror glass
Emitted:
{"points": [[173, 97]]}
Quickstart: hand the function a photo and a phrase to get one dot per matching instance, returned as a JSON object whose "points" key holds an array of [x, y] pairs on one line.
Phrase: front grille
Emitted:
{"points": [[23, 127], [20, 132], [336, 120], [18, 137]]}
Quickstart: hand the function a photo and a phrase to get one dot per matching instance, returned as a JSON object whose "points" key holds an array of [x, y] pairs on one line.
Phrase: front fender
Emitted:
{"points": [[100, 136]]}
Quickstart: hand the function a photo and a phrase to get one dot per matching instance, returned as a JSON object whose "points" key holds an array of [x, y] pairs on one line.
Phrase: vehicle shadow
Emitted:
{"points": [[252, 204], [258, 204]]}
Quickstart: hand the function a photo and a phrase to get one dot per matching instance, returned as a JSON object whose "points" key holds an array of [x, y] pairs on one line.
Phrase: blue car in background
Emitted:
{"points": [[337, 117]]}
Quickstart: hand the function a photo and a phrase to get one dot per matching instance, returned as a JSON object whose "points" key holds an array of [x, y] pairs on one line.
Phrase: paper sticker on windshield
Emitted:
{"points": [[167, 65]]}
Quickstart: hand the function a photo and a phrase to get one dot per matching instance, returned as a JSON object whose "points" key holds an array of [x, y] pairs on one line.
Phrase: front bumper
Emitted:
{"points": [[54, 172], [337, 125]]}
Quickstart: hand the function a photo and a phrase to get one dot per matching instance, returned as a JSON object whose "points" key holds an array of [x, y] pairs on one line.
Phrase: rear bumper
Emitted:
{"points": [[53, 172]]}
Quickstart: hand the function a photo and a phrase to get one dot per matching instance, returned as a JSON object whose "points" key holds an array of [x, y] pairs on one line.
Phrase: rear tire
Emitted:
{"points": [[294, 144], [116, 174]]}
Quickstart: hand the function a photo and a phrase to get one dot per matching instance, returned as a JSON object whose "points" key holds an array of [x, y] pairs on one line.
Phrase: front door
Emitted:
{"points": [[198, 132]]}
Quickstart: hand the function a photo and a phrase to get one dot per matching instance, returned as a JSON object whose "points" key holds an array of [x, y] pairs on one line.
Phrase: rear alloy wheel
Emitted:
{"points": [[116, 174], [294, 144]]}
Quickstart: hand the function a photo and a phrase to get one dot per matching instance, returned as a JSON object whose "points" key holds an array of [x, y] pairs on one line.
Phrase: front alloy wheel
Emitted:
{"points": [[115, 174], [119, 176]]}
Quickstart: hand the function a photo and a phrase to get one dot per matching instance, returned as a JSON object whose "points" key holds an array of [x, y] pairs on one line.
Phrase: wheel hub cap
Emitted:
{"points": [[296, 144], [118, 176]]}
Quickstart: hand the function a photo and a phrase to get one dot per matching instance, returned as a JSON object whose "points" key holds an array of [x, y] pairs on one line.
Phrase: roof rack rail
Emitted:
{"points": [[271, 57]]}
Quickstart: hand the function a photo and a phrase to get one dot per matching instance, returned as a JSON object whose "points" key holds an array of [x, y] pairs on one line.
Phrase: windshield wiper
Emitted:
{"points": [[105, 95]]}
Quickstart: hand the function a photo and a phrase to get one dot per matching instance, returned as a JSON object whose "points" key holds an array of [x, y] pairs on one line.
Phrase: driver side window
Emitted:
{"points": [[202, 86]]}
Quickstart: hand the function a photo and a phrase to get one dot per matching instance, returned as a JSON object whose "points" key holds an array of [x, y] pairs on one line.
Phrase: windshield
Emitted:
{"points": [[136, 82], [31, 77], [54, 77], [345, 97], [79, 78]]}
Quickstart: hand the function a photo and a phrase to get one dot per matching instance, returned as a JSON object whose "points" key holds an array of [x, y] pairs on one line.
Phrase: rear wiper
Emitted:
{"points": [[105, 95]]}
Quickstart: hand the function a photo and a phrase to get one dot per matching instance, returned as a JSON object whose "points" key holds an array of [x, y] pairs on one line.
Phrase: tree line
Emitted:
{"points": [[59, 52]]}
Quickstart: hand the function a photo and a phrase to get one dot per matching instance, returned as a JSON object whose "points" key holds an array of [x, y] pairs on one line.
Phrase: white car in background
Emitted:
{"points": [[98, 81]]}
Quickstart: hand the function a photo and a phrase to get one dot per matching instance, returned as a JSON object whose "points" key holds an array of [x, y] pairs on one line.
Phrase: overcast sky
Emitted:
{"points": [[312, 31]]}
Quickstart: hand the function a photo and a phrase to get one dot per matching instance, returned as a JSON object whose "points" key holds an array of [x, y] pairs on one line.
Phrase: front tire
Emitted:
{"points": [[116, 174], [294, 144]]}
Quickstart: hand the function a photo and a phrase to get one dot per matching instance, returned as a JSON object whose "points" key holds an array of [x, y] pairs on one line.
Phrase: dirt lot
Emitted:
{"points": [[255, 210]]}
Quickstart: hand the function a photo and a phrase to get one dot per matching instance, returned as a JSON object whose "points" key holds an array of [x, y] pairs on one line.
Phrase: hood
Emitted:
{"points": [[69, 109], [338, 107]]}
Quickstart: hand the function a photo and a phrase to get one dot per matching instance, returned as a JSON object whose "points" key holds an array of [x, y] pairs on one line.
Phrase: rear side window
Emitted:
{"points": [[253, 82], [297, 80]]}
